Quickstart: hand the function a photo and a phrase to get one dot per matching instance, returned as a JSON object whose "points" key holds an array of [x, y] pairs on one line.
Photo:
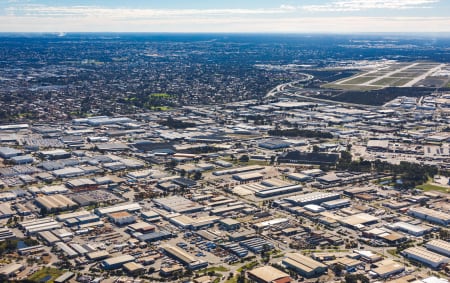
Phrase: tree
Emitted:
{"points": [[272, 159], [355, 278], [244, 158], [197, 175]]}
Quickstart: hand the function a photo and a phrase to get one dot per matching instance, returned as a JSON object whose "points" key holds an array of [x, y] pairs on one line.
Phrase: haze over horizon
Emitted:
{"points": [[271, 16]]}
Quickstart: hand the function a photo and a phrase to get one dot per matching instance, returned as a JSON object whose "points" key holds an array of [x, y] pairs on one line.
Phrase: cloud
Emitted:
{"points": [[56, 11], [232, 24], [360, 5]]}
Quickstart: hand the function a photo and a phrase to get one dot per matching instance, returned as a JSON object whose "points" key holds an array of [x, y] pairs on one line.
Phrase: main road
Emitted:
{"points": [[290, 89]]}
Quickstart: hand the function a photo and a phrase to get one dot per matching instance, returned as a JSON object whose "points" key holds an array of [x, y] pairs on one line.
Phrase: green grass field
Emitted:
{"points": [[430, 187], [350, 87], [215, 268], [401, 81], [247, 266], [386, 81], [52, 273], [160, 108], [358, 80], [160, 95]]}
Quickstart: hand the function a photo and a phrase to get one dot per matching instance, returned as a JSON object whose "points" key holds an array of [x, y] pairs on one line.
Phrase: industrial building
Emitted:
{"points": [[274, 144], [121, 218], [55, 203], [415, 230], [248, 177], [268, 274], [238, 170], [65, 277], [141, 227], [278, 191], [229, 224], [131, 207], [387, 268], [314, 208], [269, 223], [116, 262], [299, 177], [359, 220], [256, 245], [68, 172], [6, 233], [34, 226], [97, 255], [22, 159], [68, 251], [133, 268], [304, 265], [316, 158], [312, 198], [426, 257], [10, 270], [8, 152], [185, 258], [178, 204], [55, 154], [48, 237], [430, 215], [5, 210], [154, 236], [335, 204], [440, 246], [225, 209]]}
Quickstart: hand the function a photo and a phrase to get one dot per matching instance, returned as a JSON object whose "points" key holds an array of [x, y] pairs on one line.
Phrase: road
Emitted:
{"points": [[290, 90]]}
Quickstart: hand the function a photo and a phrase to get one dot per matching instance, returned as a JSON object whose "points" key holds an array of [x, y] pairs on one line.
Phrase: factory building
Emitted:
{"points": [[229, 224], [68, 251], [387, 268], [178, 204], [335, 204], [439, 246], [116, 262], [55, 203], [121, 218], [185, 258], [426, 257], [415, 230], [248, 177], [312, 198], [430, 215], [304, 265], [268, 274], [10, 270], [8, 152], [132, 207], [238, 170], [48, 237], [278, 191], [34, 226]]}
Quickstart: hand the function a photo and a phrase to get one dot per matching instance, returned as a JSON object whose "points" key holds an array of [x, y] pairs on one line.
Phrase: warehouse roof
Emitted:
{"points": [[444, 245], [303, 262], [268, 273], [118, 260], [426, 254]]}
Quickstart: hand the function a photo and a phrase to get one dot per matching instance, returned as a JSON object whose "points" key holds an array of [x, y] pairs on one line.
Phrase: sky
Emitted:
{"points": [[231, 16]]}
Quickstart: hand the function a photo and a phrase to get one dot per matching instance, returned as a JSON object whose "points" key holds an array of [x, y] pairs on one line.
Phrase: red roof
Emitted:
{"points": [[286, 279]]}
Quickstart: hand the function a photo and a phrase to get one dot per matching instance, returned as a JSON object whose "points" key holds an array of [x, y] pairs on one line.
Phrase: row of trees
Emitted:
{"points": [[410, 174], [176, 124]]}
